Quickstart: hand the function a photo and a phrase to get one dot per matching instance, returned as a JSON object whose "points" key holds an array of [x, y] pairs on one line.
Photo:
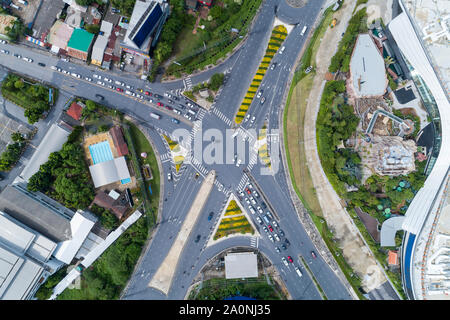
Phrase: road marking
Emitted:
{"points": [[243, 182], [222, 117]]}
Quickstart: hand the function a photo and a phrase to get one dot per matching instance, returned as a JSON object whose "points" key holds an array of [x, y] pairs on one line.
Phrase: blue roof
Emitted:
{"points": [[147, 26]]}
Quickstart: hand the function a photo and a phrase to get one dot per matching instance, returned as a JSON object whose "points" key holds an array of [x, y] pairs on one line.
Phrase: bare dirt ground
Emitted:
{"points": [[354, 250]]}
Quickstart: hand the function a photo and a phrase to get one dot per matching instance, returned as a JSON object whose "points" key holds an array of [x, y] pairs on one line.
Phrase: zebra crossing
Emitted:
{"points": [[253, 160], [166, 157], [222, 117], [198, 166], [254, 242], [187, 83], [246, 135], [243, 182]]}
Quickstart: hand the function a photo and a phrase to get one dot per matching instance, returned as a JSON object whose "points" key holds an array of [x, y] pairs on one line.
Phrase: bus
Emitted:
{"points": [[155, 115]]}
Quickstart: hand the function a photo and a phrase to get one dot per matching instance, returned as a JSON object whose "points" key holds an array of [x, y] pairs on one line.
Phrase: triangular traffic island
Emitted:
{"points": [[233, 221], [177, 152]]}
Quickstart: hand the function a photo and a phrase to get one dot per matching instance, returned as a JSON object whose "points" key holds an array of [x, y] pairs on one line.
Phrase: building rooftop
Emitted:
{"points": [[241, 265], [75, 111], [367, 68], [107, 172], [80, 40], [119, 141]]}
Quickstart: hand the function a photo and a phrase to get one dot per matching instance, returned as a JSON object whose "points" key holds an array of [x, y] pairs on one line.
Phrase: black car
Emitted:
{"points": [[286, 241], [283, 246], [175, 98], [263, 205], [210, 216], [182, 106], [157, 96], [99, 96], [281, 233], [170, 101], [41, 64], [197, 239]]}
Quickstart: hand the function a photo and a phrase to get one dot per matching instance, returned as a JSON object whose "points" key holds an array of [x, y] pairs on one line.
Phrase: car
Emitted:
{"points": [[65, 59], [150, 100], [290, 259], [247, 200], [187, 116], [175, 98], [140, 96], [265, 219], [263, 99], [147, 93], [255, 193], [270, 228], [282, 49], [308, 70], [18, 56], [246, 118], [259, 94], [88, 79], [275, 224], [276, 237], [286, 241], [211, 214], [253, 120], [189, 104], [247, 190], [176, 111], [265, 229], [241, 194], [168, 95], [259, 210], [27, 59], [252, 210], [41, 64], [96, 76], [298, 271], [263, 205], [169, 176], [168, 108], [235, 159], [53, 67], [273, 66], [277, 249], [119, 89], [101, 83], [269, 215], [271, 238], [259, 220], [64, 71], [175, 120], [114, 10], [119, 83], [380, 35], [129, 87], [140, 90], [197, 239], [58, 69], [238, 163], [283, 246], [111, 87], [75, 75], [4, 51], [107, 79], [250, 186], [3, 41], [133, 94], [170, 101], [281, 232], [160, 104], [99, 96], [313, 254], [285, 261], [182, 106], [252, 200]]}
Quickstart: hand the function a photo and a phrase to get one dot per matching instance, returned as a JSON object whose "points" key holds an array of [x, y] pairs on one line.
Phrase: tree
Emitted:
{"points": [[19, 84], [17, 137], [216, 81], [93, 28]]}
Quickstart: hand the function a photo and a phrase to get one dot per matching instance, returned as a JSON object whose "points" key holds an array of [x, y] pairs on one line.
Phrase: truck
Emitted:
{"points": [[155, 115], [303, 30]]}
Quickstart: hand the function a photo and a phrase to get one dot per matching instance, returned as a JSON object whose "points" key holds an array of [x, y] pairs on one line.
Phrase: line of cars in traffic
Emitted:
{"points": [[257, 207]]}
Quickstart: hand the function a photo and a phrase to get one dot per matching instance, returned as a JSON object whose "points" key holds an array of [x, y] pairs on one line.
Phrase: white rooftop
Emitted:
{"points": [[367, 68], [241, 265], [109, 171]]}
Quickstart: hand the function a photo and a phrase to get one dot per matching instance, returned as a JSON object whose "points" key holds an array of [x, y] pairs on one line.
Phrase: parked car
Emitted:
{"points": [[255, 194], [270, 228], [275, 224], [197, 239], [290, 259], [277, 249], [247, 200], [175, 121], [4, 51], [273, 66], [271, 238], [147, 93], [259, 94], [96, 76], [276, 237], [3, 41], [107, 79], [265, 229], [119, 89], [313, 254], [298, 271], [210, 216], [252, 210], [259, 210], [259, 220], [41, 64], [159, 104], [263, 99], [27, 59], [285, 261], [88, 79], [308, 70]]}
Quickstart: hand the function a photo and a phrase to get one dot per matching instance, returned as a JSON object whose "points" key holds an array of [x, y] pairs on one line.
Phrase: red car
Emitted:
{"points": [[119, 89], [168, 107], [313, 254], [148, 93], [290, 259], [160, 104], [248, 190], [270, 228]]}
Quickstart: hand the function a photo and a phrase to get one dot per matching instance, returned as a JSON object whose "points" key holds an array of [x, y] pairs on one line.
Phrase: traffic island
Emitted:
{"points": [[162, 280]]}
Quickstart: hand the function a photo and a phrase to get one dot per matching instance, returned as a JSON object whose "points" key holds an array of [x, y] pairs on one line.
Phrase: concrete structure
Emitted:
{"points": [[145, 25], [434, 97], [389, 229], [59, 35], [79, 44], [111, 171], [367, 68], [53, 141], [241, 265], [98, 50]]}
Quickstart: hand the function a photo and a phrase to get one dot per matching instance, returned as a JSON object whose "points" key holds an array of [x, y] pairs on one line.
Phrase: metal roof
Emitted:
{"points": [[404, 35], [109, 171], [80, 40], [389, 229], [98, 50], [52, 141], [241, 265]]}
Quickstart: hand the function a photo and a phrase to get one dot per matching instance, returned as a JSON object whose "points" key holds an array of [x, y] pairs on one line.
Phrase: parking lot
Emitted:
{"points": [[7, 127]]}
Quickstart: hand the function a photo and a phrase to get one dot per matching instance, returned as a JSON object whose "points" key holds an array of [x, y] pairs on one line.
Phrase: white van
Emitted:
{"points": [[282, 49], [303, 30], [298, 271]]}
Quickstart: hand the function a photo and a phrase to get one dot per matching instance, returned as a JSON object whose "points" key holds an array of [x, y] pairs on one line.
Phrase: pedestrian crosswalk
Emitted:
{"points": [[187, 83], [246, 135], [201, 113], [166, 157], [222, 117], [253, 160], [242, 183], [198, 166], [254, 242]]}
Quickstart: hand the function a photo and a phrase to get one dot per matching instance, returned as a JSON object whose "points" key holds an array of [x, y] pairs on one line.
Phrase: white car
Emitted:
{"points": [[119, 83], [252, 210], [247, 200], [151, 101], [265, 229], [277, 237], [129, 87], [96, 76], [88, 79], [4, 51], [169, 176], [275, 224], [111, 87], [259, 220], [238, 163], [100, 83], [187, 116], [53, 67], [241, 193], [3, 42], [259, 94], [271, 238], [252, 200], [140, 96], [253, 120], [255, 193], [73, 74], [58, 69], [250, 186], [107, 80], [298, 271], [246, 118], [176, 111], [64, 71], [27, 59], [259, 210], [285, 261]]}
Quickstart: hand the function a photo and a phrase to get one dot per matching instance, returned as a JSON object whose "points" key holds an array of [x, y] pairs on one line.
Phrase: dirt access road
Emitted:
{"points": [[355, 251]]}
